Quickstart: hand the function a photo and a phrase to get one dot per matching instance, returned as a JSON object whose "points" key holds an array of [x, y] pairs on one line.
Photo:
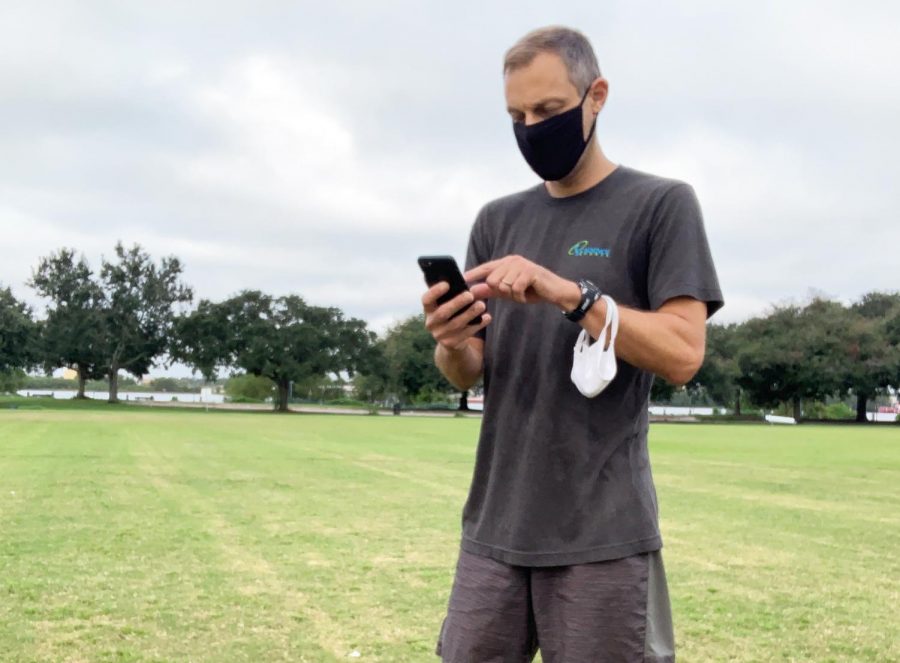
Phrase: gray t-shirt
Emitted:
{"points": [[560, 478]]}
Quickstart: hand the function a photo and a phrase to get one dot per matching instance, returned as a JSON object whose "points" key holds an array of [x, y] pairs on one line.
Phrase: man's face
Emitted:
{"points": [[542, 89]]}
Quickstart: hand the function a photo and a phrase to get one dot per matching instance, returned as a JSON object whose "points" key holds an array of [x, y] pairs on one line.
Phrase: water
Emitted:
{"points": [[477, 403], [65, 394], [679, 411]]}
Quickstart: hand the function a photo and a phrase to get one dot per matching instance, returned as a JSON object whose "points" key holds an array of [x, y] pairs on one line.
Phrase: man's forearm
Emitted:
{"points": [[462, 368], [657, 341]]}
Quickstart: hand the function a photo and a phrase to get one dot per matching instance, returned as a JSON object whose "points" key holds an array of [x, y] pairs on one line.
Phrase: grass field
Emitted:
{"points": [[136, 535]]}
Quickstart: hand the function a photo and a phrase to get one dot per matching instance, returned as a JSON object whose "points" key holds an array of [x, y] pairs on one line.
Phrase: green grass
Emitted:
{"points": [[129, 534]]}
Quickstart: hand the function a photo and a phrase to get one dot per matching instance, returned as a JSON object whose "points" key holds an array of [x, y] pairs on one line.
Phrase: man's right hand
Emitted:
{"points": [[452, 334]]}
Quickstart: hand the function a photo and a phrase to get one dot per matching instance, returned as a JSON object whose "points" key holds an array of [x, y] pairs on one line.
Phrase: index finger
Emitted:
{"points": [[478, 273], [429, 299]]}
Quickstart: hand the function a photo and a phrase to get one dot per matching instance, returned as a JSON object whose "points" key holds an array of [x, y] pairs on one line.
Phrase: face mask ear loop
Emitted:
{"points": [[612, 311], [601, 337], [594, 123]]}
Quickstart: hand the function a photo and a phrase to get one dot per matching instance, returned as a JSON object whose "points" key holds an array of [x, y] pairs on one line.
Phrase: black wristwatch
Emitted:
{"points": [[589, 296]]}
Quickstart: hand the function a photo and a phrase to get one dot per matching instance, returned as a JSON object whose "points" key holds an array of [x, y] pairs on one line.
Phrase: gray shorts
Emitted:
{"points": [[616, 610]]}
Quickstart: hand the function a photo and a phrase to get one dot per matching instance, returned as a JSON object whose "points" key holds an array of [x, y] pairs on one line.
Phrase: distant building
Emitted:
{"points": [[69, 374]]}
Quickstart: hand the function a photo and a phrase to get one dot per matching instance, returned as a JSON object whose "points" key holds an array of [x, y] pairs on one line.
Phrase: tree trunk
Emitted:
{"points": [[114, 385], [861, 400], [737, 403], [798, 412], [82, 379], [464, 401], [283, 390]]}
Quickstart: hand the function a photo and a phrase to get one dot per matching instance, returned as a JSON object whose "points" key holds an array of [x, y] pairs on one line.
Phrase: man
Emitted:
{"points": [[560, 543]]}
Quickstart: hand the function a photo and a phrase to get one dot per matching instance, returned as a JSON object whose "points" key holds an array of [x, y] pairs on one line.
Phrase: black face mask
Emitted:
{"points": [[553, 147]]}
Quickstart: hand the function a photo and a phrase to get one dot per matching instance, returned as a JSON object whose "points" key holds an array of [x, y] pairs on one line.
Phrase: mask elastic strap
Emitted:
{"points": [[594, 123], [612, 317], [612, 313]]}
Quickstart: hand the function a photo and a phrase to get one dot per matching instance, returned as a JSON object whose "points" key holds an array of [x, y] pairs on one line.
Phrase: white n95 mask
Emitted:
{"points": [[594, 367]]}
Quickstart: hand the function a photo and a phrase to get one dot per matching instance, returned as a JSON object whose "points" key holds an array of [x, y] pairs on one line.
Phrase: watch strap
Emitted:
{"points": [[590, 293]]}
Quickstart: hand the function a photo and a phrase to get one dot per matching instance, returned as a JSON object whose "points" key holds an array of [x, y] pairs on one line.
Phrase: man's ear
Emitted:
{"points": [[599, 92]]}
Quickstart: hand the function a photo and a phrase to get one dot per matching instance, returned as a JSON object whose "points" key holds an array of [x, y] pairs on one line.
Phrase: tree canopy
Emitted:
{"points": [[140, 301], [17, 334], [280, 338], [74, 332]]}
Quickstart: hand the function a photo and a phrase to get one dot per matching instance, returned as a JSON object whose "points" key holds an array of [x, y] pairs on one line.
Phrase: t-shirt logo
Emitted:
{"points": [[582, 248]]}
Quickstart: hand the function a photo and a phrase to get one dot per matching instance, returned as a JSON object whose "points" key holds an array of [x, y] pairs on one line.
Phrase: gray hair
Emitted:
{"points": [[570, 45]]}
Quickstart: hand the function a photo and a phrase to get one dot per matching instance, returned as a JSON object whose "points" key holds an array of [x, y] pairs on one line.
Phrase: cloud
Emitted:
{"points": [[776, 221], [320, 149]]}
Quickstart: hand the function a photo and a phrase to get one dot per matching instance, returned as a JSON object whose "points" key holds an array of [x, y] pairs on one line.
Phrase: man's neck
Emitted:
{"points": [[590, 171]]}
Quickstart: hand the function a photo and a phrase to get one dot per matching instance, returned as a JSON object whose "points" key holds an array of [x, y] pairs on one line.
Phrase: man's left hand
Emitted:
{"points": [[521, 280]]}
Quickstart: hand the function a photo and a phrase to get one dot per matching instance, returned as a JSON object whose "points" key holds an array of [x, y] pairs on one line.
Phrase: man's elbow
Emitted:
{"points": [[458, 377], [463, 383], [682, 372]]}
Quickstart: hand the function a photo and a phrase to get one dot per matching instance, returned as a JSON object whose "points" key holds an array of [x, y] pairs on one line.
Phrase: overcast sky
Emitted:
{"points": [[318, 148]]}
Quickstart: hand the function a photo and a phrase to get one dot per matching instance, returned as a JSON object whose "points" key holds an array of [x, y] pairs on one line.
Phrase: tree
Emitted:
{"points": [[877, 305], [165, 384], [409, 352], [11, 380], [320, 387], [283, 339], [870, 362], [789, 355], [661, 391], [140, 310], [718, 375], [249, 387], [202, 340], [17, 333], [17, 339], [74, 332], [372, 382]]}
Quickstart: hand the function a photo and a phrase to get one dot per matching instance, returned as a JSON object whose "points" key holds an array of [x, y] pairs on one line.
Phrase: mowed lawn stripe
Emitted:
{"points": [[344, 527], [86, 549], [169, 535], [779, 566], [260, 617], [393, 534]]}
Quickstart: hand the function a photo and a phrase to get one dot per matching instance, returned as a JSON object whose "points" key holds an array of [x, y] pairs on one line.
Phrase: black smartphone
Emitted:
{"points": [[444, 268]]}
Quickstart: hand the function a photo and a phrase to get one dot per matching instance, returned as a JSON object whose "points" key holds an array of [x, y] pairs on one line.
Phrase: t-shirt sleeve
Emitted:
{"points": [[478, 252], [680, 262]]}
